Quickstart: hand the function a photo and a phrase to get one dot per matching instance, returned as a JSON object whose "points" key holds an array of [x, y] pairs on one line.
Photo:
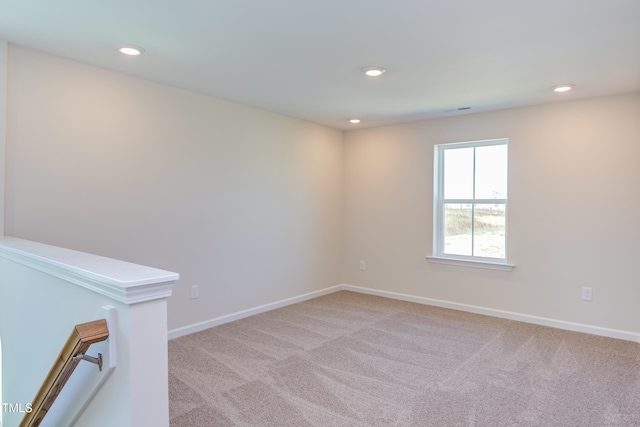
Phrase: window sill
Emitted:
{"points": [[468, 263]]}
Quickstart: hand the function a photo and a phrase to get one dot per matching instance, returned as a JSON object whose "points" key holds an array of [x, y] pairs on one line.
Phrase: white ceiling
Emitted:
{"points": [[302, 58]]}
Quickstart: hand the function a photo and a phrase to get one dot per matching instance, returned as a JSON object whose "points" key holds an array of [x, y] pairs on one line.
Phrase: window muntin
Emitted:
{"points": [[470, 200]]}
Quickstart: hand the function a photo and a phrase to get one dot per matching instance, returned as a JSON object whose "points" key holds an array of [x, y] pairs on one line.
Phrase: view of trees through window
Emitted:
{"points": [[474, 200], [486, 224]]}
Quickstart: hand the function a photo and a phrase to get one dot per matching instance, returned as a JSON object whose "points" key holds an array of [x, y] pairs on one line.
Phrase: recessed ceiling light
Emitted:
{"points": [[373, 71], [354, 121], [130, 50], [562, 88]]}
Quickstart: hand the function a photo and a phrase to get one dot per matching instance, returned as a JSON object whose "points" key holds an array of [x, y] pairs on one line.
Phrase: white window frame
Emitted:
{"points": [[439, 202]]}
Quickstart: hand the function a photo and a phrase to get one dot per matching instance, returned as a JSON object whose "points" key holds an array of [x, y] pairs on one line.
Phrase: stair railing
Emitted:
{"points": [[72, 353]]}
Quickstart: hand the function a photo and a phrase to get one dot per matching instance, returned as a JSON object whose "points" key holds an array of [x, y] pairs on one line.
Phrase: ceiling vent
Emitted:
{"points": [[453, 110]]}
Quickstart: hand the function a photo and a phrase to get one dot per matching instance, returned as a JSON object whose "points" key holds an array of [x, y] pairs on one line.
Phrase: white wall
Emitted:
{"points": [[574, 204], [248, 204], [244, 203], [3, 125]]}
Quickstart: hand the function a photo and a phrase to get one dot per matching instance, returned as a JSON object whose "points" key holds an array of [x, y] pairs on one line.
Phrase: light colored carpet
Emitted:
{"points": [[349, 359]]}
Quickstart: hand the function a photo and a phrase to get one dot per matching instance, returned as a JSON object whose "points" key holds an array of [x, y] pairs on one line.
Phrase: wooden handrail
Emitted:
{"points": [[78, 343]]}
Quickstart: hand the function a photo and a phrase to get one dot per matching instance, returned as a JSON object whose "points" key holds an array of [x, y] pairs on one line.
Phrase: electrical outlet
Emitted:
{"points": [[195, 292], [587, 294], [363, 265]]}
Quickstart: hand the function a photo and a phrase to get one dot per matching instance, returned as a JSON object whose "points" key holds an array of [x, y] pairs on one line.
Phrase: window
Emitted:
{"points": [[470, 201]]}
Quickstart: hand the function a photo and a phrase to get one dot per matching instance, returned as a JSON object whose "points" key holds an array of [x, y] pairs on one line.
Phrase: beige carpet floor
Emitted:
{"points": [[349, 359]]}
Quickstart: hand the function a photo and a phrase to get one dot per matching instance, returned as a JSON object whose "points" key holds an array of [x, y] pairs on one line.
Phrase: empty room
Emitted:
{"points": [[345, 213]]}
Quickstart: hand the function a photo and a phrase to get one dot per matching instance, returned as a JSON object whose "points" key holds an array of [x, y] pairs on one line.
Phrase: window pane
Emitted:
{"points": [[457, 229], [491, 172], [489, 227], [458, 173]]}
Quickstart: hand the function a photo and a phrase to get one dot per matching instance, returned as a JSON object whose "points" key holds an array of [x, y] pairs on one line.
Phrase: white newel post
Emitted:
{"points": [[44, 292]]}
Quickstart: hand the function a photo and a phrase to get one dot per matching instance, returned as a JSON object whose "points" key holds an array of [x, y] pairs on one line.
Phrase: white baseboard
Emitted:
{"points": [[201, 326], [543, 321]]}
